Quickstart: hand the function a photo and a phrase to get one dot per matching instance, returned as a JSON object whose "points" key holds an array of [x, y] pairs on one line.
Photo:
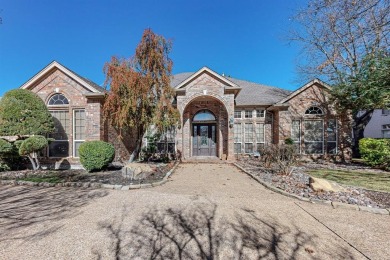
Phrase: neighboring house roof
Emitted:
{"points": [[88, 84], [251, 93]]}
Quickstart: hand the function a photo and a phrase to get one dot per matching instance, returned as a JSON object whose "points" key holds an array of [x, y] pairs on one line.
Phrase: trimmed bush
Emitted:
{"points": [[96, 155], [31, 147], [24, 113], [376, 152], [33, 144]]}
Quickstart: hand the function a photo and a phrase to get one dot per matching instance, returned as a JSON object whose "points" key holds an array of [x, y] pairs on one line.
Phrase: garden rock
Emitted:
{"points": [[136, 171], [318, 184]]}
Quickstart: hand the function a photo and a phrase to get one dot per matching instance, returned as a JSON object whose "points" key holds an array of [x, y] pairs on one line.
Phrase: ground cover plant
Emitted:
{"points": [[369, 180]]}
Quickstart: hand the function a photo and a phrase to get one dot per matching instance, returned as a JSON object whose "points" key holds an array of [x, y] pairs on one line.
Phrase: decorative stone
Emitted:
{"points": [[136, 171], [318, 184]]}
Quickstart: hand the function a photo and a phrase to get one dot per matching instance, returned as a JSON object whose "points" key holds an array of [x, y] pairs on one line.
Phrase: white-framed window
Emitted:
{"points": [[314, 136], [237, 114], [296, 134], [385, 112], [248, 113], [331, 142], [78, 130], [166, 142], [248, 137], [58, 99], [260, 137], [260, 113], [386, 131], [59, 148], [314, 111], [237, 138]]}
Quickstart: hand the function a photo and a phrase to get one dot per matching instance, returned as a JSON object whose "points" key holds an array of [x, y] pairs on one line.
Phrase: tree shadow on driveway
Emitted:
{"points": [[33, 212], [198, 232]]}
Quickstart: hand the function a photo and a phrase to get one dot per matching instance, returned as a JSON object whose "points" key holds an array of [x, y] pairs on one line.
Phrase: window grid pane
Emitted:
{"points": [[248, 133], [61, 125], [314, 136], [237, 114], [237, 133], [248, 113], [260, 133], [260, 113]]}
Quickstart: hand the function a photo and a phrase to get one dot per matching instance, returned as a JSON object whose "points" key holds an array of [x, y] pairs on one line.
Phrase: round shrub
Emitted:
{"points": [[96, 155], [376, 152], [32, 144]]}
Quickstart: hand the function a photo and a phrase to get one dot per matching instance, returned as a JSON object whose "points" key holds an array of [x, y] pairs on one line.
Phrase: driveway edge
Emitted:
{"points": [[332, 204]]}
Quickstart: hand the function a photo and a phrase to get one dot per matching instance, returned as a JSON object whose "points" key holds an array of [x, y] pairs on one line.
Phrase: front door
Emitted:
{"points": [[204, 140]]}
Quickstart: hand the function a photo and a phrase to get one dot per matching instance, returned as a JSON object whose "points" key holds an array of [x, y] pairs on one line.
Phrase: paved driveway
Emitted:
{"points": [[206, 211]]}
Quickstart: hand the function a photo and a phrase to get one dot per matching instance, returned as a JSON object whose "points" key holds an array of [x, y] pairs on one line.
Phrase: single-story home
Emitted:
{"points": [[221, 116]]}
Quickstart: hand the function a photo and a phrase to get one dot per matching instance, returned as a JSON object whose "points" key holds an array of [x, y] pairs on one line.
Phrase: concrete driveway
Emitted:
{"points": [[206, 211]]}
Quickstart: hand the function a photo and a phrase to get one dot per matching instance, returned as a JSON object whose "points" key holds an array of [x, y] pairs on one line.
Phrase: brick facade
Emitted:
{"points": [[204, 90]]}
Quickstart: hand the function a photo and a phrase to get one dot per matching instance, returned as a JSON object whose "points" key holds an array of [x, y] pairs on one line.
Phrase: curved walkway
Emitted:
{"points": [[205, 211]]}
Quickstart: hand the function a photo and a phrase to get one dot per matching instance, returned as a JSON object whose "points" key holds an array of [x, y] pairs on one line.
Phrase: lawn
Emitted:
{"points": [[369, 180]]}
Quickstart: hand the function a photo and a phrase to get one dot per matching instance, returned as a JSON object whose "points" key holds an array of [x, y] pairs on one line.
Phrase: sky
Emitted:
{"points": [[243, 39]]}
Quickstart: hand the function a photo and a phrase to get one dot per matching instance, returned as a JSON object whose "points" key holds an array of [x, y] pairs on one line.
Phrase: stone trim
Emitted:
{"points": [[92, 184], [333, 204]]}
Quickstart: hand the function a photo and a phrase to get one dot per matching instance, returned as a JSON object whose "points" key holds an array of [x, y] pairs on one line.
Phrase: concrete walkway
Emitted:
{"points": [[206, 211]]}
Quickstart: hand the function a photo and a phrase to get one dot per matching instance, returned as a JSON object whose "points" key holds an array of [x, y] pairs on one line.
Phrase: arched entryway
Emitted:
{"points": [[204, 134], [205, 128]]}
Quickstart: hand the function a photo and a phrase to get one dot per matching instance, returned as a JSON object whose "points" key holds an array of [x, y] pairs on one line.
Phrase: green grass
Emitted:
{"points": [[49, 179], [368, 180]]}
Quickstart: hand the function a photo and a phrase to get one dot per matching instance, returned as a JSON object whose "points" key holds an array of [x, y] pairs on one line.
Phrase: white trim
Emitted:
{"points": [[57, 65], [303, 88], [202, 70], [74, 130], [55, 140], [299, 142]]}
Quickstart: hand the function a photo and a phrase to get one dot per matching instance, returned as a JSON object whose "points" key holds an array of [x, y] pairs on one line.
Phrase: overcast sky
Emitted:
{"points": [[243, 39]]}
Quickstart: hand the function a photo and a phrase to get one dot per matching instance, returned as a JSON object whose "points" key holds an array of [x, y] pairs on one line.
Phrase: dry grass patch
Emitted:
{"points": [[379, 181]]}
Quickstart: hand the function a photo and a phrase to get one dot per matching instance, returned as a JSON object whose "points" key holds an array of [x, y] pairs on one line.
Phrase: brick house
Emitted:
{"points": [[220, 116]]}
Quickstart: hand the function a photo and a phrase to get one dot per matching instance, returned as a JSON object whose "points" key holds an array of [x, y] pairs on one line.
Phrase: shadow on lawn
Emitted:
{"points": [[22, 207], [196, 233]]}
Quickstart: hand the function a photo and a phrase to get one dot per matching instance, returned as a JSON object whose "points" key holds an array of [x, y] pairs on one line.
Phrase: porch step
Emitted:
{"points": [[204, 159]]}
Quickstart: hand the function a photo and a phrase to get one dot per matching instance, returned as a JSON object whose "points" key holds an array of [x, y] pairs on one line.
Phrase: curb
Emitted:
{"points": [[333, 204], [92, 184]]}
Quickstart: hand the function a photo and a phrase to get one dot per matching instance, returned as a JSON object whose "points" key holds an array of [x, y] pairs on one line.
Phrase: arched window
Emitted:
{"points": [[314, 111], [58, 99], [204, 115]]}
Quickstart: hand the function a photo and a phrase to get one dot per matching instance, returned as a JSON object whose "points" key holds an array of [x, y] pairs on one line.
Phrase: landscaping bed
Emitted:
{"points": [[113, 176], [298, 182]]}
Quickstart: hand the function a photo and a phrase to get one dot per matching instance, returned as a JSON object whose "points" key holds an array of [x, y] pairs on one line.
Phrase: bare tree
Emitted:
{"points": [[338, 39]]}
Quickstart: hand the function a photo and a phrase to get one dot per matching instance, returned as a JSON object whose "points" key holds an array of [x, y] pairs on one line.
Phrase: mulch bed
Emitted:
{"points": [[298, 183], [112, 175]]}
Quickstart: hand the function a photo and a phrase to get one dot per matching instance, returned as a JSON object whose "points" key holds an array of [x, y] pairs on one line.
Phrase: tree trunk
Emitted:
{"points": [[32, 162], [135, 154], [358, 130]]}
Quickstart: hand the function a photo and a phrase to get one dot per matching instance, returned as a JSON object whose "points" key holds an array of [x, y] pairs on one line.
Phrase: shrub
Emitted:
{"points": [[376, 152], [288, 141], [30, 148], [282, 158], [24, 113], [8, 154], [96, 155]]}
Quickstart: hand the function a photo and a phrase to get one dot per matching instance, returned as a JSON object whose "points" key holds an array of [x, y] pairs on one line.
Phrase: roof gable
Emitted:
{"points": [[91, 86], [304, 87], [212, 73]]}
